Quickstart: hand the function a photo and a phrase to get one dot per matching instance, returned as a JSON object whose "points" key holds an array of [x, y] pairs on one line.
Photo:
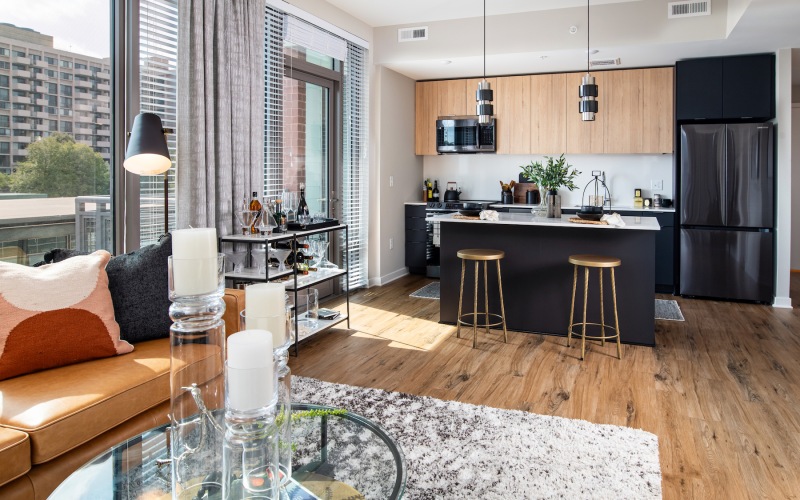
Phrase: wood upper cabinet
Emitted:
{"points": [[435, 99], [512, 108], [658, 111], [548, 114], [585, 137], [621, 108]]}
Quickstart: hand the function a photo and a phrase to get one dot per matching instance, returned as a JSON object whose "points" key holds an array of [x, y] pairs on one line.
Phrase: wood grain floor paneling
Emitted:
{"points": [[721, 390]]}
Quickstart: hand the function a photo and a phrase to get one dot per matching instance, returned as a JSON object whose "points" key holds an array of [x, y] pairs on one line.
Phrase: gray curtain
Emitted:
{"points": [[220, 110]]}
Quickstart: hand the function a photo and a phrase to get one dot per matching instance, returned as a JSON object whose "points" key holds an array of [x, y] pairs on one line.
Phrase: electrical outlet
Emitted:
{"points": [[391, 181], [657, 184], [391, 243]]}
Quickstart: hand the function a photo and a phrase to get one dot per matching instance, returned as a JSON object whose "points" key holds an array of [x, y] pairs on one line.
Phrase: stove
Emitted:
{"points": [[435, 209]]}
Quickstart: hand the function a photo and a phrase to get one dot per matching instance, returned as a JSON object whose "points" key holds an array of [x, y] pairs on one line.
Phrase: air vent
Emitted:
{"points": [[416, 34], [690, 8], [605, 62]]}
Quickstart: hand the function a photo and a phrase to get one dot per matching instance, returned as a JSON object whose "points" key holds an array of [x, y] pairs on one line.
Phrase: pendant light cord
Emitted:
{"points": [[587, 36], [484, 39]]}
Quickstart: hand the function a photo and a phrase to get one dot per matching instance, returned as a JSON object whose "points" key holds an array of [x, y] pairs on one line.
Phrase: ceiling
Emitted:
{"points": [[533, 36]]}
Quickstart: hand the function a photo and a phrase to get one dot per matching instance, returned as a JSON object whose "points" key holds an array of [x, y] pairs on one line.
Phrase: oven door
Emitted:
{"points": [[433, 228]]}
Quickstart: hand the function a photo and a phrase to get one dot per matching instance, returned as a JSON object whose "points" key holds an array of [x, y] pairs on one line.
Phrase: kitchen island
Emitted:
{"points": [[537, 277]]}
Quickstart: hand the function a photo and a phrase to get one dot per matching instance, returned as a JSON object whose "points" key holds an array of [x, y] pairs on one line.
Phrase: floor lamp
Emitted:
{"points": [[148, 153]]}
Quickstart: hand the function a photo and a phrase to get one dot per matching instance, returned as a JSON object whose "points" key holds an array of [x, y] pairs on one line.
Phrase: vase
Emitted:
{"points": [[553, 204]]}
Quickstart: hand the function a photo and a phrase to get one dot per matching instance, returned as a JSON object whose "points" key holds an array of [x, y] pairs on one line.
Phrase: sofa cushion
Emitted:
{"points": [[56, 315], [139, 288], [65, 407], [15, 454]]}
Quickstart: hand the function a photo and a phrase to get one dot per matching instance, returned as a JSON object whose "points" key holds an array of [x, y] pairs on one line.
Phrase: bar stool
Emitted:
{"points": [[599, 262], [481, 255]]}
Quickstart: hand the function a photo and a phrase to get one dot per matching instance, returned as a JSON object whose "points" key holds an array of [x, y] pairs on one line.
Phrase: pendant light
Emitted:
{"points": [[588, 89], [484, 94]]}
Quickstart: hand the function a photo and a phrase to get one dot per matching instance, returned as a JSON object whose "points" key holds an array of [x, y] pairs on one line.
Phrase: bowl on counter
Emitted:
{"points": [[590, 212], [469, 213]]}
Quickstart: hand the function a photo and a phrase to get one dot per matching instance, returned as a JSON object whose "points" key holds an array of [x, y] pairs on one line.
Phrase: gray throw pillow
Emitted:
{"points": [[139, 291]]}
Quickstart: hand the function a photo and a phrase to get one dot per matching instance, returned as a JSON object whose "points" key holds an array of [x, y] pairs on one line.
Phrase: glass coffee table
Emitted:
{"points": [[342, 456]]}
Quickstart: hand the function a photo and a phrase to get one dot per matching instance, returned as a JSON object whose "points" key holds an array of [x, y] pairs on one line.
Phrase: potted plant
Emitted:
{"points": [[549, 177]]}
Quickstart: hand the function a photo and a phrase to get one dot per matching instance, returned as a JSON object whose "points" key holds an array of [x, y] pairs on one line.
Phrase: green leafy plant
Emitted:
{"points": [[555, 174]]}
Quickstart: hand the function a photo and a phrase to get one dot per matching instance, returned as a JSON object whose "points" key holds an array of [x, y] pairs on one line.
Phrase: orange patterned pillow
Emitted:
{"points": [[57, 314]]}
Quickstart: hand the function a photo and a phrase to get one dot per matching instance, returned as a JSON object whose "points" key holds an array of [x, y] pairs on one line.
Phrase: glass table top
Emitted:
{"points": [[343, 456]]}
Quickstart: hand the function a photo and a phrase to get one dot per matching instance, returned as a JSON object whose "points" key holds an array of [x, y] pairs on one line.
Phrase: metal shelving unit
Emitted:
{"points": [[298, 281]]}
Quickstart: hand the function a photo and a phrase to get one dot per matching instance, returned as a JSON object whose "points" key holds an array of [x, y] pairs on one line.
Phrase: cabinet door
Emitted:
{"points": [[658, 125], [513, 111], [665, 250], [548, 120], [584, 137], [622, 108], [471, 86], [450, 95], [748, 86], [427, 109], [699, 88]]}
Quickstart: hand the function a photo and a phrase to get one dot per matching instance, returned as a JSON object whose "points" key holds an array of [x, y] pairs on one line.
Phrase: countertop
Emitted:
{"points": [[576, 207], [634, 223], [418, 203]]}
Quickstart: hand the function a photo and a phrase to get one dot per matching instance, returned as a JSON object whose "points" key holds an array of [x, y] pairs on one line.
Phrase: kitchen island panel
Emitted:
{"points": [[537, 277]]}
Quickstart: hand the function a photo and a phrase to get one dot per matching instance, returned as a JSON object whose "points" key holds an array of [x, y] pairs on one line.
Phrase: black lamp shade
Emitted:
{"points": [[147, 152]]}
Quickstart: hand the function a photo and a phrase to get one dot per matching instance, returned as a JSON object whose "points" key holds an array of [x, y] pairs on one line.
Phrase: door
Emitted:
{"points": [[751, 177], [702, 175], [727, 264]]}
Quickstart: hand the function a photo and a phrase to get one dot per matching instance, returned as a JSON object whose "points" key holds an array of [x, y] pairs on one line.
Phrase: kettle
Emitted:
{"points": [[452, 193]]}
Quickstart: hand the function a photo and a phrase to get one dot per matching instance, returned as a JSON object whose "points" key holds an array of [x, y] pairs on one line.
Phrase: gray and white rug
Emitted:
{"points": [[669, 310], [457, 450], [429, 291]]}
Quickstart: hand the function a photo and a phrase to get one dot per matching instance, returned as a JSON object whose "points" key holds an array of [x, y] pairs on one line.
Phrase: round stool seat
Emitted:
{"points": [[587, 260], [480, 254]]}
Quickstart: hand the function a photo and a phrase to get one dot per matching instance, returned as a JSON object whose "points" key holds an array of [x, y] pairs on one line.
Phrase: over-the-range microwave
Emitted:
{"points": [[464, 134]]}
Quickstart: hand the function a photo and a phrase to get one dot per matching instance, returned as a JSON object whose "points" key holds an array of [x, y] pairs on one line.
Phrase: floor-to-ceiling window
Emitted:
{"points": [[55, 128]]}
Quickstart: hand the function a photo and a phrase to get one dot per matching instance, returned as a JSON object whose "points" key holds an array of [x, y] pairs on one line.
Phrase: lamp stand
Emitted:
{"points": [[166, 202]]}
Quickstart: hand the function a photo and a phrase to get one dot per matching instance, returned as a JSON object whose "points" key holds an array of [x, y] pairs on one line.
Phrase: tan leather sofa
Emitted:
{"points": [[54, 421]]}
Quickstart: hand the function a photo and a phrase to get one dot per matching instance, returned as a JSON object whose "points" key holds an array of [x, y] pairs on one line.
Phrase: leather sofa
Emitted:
{"points": [[54, 421]]}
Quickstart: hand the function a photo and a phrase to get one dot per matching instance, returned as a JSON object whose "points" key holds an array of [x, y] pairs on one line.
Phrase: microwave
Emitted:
{"points": [[464, 134]]}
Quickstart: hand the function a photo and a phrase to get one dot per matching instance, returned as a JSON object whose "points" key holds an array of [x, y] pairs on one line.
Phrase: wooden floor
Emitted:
{"points": [[721, 390]]}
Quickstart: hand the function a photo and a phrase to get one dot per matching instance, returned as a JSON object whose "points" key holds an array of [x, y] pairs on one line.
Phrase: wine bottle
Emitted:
{"points": [[303, 213], [280, 217], [430, 191], [435, 190], [255, 206]]}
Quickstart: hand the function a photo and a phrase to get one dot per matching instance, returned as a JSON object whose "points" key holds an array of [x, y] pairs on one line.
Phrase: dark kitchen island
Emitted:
{"points": [[537, 278]]}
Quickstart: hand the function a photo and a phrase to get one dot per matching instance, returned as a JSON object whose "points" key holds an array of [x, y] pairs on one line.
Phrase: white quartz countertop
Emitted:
{"points": [[634, 223], [575, 207], [416, 203]]}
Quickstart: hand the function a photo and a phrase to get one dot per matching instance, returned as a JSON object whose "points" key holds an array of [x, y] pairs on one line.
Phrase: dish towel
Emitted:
{"points": [[613, 220], [490, 215]]}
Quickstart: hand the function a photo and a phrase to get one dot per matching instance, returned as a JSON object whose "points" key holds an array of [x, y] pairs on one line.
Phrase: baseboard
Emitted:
{"points": [[388, 278], [782, 302]]}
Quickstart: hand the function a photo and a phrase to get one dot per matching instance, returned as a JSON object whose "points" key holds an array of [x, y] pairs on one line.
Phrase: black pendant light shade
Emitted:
{"points": [[484, 95], [587, 91]]}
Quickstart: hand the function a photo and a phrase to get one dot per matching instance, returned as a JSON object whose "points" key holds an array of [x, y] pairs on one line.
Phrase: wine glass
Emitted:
{"points": [[247, 219], [236, 257], [267, 223], [290, 205], [260, 258], [320, 250], [280, 254]]}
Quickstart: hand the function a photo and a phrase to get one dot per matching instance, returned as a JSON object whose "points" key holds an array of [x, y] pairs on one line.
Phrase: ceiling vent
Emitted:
{"points": [[689, 8], [416, 34], [605, 62]]}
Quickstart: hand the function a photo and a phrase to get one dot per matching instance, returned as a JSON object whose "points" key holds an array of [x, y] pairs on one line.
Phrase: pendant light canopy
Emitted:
{"points": [[484, 95], [588, 89]]}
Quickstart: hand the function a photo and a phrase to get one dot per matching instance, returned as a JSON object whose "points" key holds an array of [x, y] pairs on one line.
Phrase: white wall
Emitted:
{"points": [[480, 175], [795, 250], [783, 174], [396, 174]]}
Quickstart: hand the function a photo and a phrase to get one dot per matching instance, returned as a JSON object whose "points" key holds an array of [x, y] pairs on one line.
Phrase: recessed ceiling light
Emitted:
{"points": [[447, 61], [573, 30], [542, 57], [593, 51]]}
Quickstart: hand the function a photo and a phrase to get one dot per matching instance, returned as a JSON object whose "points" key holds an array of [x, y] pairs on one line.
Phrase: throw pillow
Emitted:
{"points": [[139, 288], [56, 314]]}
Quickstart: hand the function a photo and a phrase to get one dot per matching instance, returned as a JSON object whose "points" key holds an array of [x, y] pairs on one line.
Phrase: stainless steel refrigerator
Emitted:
{"points": [[727, 211]]}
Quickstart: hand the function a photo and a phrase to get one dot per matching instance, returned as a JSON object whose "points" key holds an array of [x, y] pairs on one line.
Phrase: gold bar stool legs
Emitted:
{"points": [[599, 262], [478, 255]]}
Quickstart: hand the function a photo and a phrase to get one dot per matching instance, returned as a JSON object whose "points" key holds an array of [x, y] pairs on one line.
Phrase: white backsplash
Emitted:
{"points": [[479, 175]]}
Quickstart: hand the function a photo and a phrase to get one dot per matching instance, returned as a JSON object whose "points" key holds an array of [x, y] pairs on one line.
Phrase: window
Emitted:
{"points": [[51, 60], [3, 94], [4, 51], [52, 125], [51, 73], [80, 66], [18, 105], [66, 127], [20, 133], [20, 119], [3, 81], [52, 88], [65, 111], [52, 100], [35, 58], [5, 148], [21, 67], [65, 102], [5, 163], [65, 64], [5, 131], [66, 76], [3, 120], [66, 90], [19, 53], [4, 65], [97, 69], [19, 146]]}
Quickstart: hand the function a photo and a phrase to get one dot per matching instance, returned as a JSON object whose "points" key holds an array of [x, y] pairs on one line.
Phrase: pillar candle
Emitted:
{"points": [[194, 261], [265, 299], [249, 370]]}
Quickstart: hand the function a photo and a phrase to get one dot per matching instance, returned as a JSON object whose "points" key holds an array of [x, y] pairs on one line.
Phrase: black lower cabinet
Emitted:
{"points": [[416, 239]]}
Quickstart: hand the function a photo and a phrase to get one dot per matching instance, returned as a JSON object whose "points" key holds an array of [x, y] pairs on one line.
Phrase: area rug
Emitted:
{"points": [[457, 450], [429, 291], [669, 310]]}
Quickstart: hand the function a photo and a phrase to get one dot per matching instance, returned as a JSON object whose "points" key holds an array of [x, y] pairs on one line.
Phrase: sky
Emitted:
{"points": [[81, 26]]}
